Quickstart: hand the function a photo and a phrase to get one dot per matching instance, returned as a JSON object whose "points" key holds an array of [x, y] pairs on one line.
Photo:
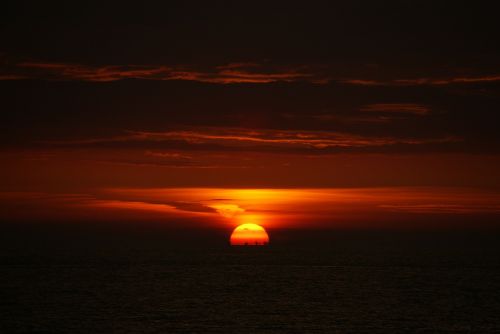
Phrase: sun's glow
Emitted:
{"points": [[249, 235]]}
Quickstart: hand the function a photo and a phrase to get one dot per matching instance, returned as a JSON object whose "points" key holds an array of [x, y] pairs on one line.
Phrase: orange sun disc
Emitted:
{"points": [[249, 235]]}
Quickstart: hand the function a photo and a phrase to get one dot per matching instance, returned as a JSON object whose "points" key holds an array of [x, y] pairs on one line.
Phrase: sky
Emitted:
{"points": [[318, 114]]}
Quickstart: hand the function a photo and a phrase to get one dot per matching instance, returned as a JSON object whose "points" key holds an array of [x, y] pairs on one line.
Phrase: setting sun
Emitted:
{"points": [[249, 235]]}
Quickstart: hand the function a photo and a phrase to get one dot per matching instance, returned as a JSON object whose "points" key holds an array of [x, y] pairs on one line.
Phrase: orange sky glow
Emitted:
{"points": [[398, 207]]}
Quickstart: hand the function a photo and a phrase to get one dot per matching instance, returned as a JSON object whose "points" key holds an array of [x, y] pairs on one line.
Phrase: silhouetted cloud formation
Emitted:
{"points": [[437, 81], [231, 73], [404, 108], [253, 138]]}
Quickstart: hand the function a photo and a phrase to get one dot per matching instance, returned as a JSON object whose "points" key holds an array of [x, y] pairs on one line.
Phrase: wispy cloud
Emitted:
{"points": [[403, 108], [231, 73], [171, 164], [425, 81], [128, 205], [64, 71], [447, 81], [466, 208], [363, 82], [5, 77], [332, 117], [240, 138], [169, 155]]}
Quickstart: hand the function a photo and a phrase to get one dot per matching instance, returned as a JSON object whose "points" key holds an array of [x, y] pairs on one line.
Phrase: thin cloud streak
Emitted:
{"points": [[176, 165], [423, 81], [231, 73], [443, 208], [403, 108], [232, 137]]}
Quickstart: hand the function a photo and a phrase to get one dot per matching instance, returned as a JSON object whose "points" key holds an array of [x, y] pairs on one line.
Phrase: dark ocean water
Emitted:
{"points": [[322, 282]]}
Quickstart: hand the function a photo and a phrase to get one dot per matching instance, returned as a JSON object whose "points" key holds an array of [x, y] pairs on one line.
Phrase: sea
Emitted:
{"points": [[56, 279]]}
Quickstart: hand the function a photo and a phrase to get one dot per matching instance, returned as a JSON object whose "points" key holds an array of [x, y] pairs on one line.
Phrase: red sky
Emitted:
{"points": [[342, 114]]}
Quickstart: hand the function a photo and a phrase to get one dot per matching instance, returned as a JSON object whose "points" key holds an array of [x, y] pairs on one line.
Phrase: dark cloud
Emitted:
{"points": [[425, 81], [332, 115], [404, 108], [461, 209], [232, 73], [192, 207], [252, 138]]}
